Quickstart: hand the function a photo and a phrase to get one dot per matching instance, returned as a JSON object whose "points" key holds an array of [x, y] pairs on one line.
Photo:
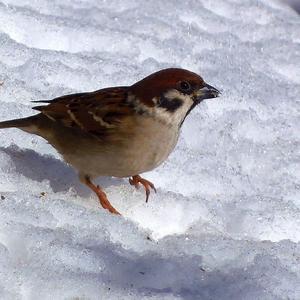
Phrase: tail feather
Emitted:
{"points": [[18, 123]]}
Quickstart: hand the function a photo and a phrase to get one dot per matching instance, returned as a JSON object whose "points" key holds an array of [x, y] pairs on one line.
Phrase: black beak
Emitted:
{"points": [[207, 92]]}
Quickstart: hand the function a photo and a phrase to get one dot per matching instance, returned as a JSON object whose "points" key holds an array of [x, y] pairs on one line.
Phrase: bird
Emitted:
{"points": [[119, 131]]}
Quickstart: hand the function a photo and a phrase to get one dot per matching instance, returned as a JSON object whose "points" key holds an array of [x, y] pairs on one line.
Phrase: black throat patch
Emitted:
{"points": [[170, 105]]}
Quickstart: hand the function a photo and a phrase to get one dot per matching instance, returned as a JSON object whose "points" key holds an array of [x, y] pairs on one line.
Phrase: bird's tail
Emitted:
{"points": [[19, 123]]}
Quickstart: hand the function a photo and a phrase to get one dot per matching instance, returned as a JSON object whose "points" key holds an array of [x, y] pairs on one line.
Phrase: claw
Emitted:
{"points": [[137, 179]]}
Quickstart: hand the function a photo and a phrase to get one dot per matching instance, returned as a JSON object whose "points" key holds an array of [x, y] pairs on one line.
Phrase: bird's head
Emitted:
{"points": [[171, 94]]}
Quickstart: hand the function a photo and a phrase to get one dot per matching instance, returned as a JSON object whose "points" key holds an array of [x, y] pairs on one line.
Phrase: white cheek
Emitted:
{"points": [[161, 114], [182, 111], [175, 118]]}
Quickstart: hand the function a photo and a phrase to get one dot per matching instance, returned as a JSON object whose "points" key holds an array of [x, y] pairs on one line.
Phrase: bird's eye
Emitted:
{"points": [[185, 86]]}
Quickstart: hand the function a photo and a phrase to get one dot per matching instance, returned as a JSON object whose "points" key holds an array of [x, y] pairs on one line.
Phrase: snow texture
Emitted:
{"points": [[225, 223]]}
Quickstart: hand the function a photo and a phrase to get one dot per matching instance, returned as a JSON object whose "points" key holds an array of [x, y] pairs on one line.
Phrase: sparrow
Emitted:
{"points": [[119, 131]]}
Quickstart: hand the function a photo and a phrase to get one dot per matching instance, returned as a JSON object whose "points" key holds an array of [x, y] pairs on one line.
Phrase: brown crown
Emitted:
{"points": [[157, 83]]}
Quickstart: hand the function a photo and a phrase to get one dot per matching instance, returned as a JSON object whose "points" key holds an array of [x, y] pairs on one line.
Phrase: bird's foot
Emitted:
{"points": [[137, 179], [102, 196]]}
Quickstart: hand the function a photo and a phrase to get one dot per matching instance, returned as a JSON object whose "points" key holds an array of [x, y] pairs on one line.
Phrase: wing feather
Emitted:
{"points": [[97, 112]]}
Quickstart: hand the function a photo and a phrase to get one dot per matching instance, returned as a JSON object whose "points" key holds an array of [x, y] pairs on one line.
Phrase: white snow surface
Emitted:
{"points": [[225, 222]]}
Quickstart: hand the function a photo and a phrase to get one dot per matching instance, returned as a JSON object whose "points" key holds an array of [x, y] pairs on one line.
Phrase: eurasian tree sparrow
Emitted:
{"points": [[119, 131]]}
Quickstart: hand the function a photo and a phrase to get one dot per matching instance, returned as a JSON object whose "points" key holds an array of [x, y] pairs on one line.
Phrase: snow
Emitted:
{"points": [[225, 222]]}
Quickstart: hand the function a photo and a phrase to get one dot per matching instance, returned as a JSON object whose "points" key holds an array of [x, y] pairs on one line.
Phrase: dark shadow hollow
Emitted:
{"points": [[61, 176]]}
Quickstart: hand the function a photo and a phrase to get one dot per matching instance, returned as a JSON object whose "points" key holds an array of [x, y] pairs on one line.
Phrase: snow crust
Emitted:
{"points": [[225, 223]]}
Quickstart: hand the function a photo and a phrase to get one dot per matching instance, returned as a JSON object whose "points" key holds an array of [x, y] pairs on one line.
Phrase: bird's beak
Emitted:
{"points": [[207, 92]]}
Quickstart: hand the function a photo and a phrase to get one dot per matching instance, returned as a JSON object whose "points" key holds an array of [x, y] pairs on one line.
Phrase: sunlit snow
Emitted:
{"points": [[225, 222]]}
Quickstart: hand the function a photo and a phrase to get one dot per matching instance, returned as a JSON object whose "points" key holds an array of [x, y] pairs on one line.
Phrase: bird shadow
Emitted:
{"points": [[61, 176]]}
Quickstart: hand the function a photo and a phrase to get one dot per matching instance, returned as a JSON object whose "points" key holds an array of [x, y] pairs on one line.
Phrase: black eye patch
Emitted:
{"points": [[170, 105]]}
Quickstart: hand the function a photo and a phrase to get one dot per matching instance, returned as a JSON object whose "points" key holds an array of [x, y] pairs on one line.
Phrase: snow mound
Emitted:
{"points": [[225, 222]]}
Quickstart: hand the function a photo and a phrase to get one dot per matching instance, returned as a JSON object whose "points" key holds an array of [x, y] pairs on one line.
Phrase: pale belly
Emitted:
{"points": [[147, 148]]}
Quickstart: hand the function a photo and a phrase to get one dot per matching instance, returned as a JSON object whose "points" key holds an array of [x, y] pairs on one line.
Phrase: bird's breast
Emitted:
{"points": [[149, 145], [140, 145]]}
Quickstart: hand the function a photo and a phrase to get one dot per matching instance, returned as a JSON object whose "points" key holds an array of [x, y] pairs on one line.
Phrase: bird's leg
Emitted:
{"points": [[137, 179], [101, 195]]}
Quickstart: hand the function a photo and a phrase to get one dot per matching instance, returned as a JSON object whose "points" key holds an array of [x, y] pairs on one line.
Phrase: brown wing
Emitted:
{"points": [[97, 112]]}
